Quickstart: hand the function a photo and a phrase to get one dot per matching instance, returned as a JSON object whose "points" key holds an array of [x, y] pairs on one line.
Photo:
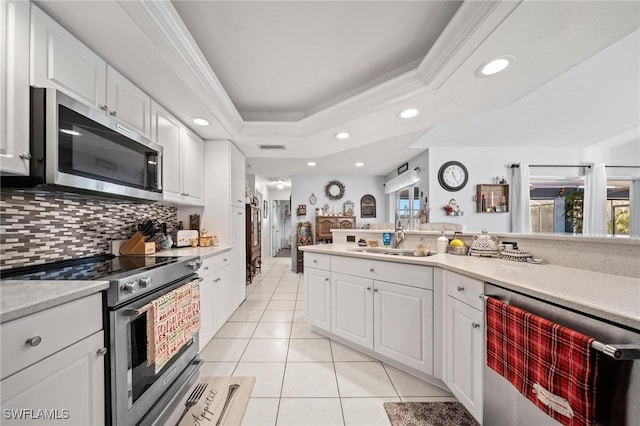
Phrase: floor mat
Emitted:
{"points": [[428, 414], [284, 252], [217, 401]]}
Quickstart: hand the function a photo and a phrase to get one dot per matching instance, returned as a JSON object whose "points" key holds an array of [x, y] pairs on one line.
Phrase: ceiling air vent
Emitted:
{"points": [[272, 147]]}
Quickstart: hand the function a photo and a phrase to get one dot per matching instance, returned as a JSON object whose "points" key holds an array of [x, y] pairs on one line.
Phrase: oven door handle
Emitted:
{"points": [[143, 309]]}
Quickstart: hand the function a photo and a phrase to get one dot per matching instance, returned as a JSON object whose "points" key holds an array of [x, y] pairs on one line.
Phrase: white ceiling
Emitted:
{"points": [[265, 72], [286, 60]]}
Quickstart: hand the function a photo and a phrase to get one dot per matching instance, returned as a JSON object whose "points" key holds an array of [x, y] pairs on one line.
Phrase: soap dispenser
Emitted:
{"points": [[441, 243]]}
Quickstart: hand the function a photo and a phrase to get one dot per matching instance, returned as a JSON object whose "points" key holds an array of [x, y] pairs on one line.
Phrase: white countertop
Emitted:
{"points": [[203, 252], [19, 298], [22, 298], [611, 297]]}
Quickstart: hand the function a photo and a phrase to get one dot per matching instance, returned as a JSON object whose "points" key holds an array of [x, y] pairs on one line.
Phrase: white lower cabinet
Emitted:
{"points": [[352, 308], [393, 320], [217, 297], [207, 312], [317, 288], [403, 324], [464, 350], [66, 388]]}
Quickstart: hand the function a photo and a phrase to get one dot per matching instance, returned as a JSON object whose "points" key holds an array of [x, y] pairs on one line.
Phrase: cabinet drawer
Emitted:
{"points": [[223, 260], [208, 266], [399, 273], [465, 289], [57, 328], [318, 261]]}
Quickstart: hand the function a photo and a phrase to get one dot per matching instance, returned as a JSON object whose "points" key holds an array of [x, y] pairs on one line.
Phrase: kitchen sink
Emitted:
{"points": [[387, 250]]}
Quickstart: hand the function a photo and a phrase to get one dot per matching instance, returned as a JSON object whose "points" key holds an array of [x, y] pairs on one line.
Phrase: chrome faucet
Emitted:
{"points": [[398, 236]]}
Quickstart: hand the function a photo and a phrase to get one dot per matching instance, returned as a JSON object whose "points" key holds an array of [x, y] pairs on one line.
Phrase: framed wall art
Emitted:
{"points": [[368, 206]]}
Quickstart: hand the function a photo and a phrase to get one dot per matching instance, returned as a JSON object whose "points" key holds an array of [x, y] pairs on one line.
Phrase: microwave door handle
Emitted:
{"points": [[159, 171]]}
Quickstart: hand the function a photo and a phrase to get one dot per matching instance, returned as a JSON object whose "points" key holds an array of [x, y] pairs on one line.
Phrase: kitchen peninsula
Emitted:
{"points": [[425, 315]]}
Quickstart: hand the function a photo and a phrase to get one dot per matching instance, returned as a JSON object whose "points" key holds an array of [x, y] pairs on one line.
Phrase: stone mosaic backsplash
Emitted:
{"points": [[44, 227]]}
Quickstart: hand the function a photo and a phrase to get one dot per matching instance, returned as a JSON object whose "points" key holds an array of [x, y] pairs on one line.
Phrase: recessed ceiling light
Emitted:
{"points": [[408, 113], [279, 185], [70, 132], [342, 135], [359, 164], [201, 121], [495, 66], [311, 164]]}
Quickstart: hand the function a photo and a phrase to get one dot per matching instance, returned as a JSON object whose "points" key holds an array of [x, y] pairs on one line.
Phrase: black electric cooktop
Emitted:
{"points": [[90, 268]]}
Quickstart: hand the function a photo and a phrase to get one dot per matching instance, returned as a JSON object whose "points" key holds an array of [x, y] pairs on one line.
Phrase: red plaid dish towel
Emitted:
{"points": [[551, 365]]}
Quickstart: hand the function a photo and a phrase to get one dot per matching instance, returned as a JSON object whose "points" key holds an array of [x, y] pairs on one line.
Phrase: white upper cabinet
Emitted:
{"points": [[191, 147], [60, 60], [14, 87], [128, 103], [165, 131], [182, 157]]}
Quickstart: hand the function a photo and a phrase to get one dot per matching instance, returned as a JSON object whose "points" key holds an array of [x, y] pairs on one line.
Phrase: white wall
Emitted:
{"points": [[483, 165], [356, 187]]}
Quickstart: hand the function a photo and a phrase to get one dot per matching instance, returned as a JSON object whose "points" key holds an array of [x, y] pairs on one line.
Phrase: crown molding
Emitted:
{"points": [[471, 25], [167, 22], [469, 28]]}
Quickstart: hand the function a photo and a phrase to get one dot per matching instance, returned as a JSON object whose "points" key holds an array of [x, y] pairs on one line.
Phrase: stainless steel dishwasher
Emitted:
{"points": [[618, 386]]}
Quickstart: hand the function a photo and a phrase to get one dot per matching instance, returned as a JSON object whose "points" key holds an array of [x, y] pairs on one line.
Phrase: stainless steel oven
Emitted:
{"points": [[136, 387]]}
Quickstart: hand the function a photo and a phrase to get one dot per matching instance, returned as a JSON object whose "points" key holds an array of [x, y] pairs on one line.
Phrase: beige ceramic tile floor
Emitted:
{"points": [[302, 378]]}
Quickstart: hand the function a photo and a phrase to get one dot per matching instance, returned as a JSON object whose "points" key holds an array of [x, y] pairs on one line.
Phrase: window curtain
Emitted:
{"points": [[520, 199], [595, 201], [634, 206], [402, 181]]}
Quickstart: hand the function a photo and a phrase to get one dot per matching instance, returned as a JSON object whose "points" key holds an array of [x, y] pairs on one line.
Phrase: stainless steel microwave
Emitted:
{"points": [[81, 149]]}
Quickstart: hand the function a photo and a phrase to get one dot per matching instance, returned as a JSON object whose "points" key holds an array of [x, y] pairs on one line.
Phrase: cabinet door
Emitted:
{"points": [[352, 308], [227, 295], [165, 130], [128, 103], [70, 381], [237, 178], [206, 311], [60, 60], [14, 87], [317, 290], [191, 147], [403, 324], [324, 225], [465, 354], [239, 255]]}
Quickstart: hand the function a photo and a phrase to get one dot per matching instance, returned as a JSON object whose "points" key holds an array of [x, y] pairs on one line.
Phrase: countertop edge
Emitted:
{"points": [[439, 260], [203, 252], [68, 294]]}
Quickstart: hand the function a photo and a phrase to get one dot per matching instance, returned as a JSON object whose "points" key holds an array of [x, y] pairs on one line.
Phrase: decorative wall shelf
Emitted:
{"points": [[492, 198]]}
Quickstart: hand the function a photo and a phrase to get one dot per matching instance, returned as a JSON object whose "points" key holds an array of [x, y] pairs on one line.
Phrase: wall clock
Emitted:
{"points": [[453, 176]]}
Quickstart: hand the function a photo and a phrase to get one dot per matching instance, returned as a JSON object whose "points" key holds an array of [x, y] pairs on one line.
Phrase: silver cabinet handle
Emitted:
{"points": [[326, 279], [240, 201], [104, 108], [375, 290], [475, 325], [224, 260], [368, 288], [460, 288], [315, 261], [25, 156], [102, 351], [206, 268], [34, 341], [239, 212], [113, 114], [370, 269]]}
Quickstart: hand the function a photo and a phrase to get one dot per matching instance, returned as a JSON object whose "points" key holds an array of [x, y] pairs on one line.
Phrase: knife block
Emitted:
{"points": [[137, 245]]}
